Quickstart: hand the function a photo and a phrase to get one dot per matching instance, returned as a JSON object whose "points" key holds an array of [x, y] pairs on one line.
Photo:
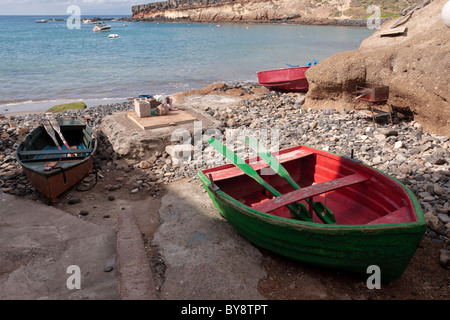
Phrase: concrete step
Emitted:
{"points": [[134, 272]]}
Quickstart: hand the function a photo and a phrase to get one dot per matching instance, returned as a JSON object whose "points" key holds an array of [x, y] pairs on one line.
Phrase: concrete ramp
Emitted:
{"points": [[39, 243], [206, 259]]}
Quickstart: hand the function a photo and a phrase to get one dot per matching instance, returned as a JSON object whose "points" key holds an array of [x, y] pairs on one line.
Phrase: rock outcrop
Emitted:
{"points": [[343, 12], [414, 64]]}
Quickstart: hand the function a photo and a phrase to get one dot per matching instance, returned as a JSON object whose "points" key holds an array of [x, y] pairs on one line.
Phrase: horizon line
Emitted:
{"points": [[65, 15]]}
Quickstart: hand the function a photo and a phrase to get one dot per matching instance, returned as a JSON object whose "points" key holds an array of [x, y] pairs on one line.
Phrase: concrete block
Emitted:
{"points": [[180, 152], [142, 108]]}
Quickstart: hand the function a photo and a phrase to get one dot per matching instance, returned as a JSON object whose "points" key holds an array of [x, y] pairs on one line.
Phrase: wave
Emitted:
{"points": [[39, 105], [20, 101]]}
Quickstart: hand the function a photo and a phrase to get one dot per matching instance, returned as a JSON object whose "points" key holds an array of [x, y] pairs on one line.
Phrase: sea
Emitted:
{"points": [[44, 64]]}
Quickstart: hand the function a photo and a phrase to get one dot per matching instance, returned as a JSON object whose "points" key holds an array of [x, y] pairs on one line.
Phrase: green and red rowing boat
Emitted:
{"points": [[320, 208]]}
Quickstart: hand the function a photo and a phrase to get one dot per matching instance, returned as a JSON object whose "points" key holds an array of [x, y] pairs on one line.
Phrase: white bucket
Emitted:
{"points": [[445, 14]]}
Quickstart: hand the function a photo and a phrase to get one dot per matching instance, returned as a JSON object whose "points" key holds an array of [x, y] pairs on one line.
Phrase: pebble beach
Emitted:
{"points": [[418, 159]]}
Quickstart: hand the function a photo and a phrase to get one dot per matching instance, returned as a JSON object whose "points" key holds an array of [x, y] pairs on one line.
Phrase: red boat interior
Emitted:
{"points": [[355, 193]]}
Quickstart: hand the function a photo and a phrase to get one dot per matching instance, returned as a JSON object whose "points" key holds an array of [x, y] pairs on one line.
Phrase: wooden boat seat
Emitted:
{"points": [[52, 152], [398, 216], [309, 192], [234, 171]]}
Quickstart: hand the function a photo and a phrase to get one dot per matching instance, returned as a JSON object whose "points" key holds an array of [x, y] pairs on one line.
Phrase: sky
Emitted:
{"points": [[59, 7]]}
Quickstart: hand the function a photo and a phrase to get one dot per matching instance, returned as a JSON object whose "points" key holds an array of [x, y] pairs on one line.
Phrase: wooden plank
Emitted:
{"points": [[173, 118], [234, 171], [48, 127], [42, 161], [311, 191], [398, 216], [322, 211], [52, 152], [54, 123], [393, 32]]}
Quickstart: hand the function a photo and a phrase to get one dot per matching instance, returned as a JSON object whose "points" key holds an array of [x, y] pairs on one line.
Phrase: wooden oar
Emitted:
{"points": [[298, 211], [322, 212], [48, 127], [51, 118]]}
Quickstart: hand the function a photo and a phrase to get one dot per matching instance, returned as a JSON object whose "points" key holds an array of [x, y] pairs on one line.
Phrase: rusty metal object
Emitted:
{"points": [[373, 93]]}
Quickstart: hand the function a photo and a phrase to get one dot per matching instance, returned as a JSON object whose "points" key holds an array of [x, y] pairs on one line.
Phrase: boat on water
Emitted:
{"points": [[113, 36], [57, 154], [88, 21], [41, 21], [319, 208], [100, 26]]}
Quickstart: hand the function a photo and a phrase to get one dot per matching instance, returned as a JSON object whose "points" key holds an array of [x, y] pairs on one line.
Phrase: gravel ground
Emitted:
{"points": [[419, 159]]}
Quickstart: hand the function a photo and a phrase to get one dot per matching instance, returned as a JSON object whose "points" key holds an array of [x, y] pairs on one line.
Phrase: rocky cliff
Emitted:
{"points": [[305, 11], [414, 64]]}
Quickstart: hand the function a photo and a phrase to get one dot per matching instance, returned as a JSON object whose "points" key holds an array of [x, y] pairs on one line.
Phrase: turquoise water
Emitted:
{"points": [[48, 61]]}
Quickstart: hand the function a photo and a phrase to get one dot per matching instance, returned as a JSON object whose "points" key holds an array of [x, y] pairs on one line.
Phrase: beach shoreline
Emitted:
{"points": [[357, 23], [39, 107], [306, 22], [23, 108]]}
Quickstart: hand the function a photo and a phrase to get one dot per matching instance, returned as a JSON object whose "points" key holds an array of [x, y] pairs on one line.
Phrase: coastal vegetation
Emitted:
{"points": [[67, 106]]}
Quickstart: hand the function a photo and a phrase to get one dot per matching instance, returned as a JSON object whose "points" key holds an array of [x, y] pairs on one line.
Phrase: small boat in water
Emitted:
{"points": [[57, 154], [100, 26], [113, 36], [319, 208], [41, 21]]}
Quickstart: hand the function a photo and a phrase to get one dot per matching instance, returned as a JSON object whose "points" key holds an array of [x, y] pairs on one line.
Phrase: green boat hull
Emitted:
{"points": [[351, 248]]}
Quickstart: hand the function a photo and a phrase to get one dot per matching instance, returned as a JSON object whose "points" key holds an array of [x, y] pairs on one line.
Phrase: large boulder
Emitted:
{"points": [[415, 65]]}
